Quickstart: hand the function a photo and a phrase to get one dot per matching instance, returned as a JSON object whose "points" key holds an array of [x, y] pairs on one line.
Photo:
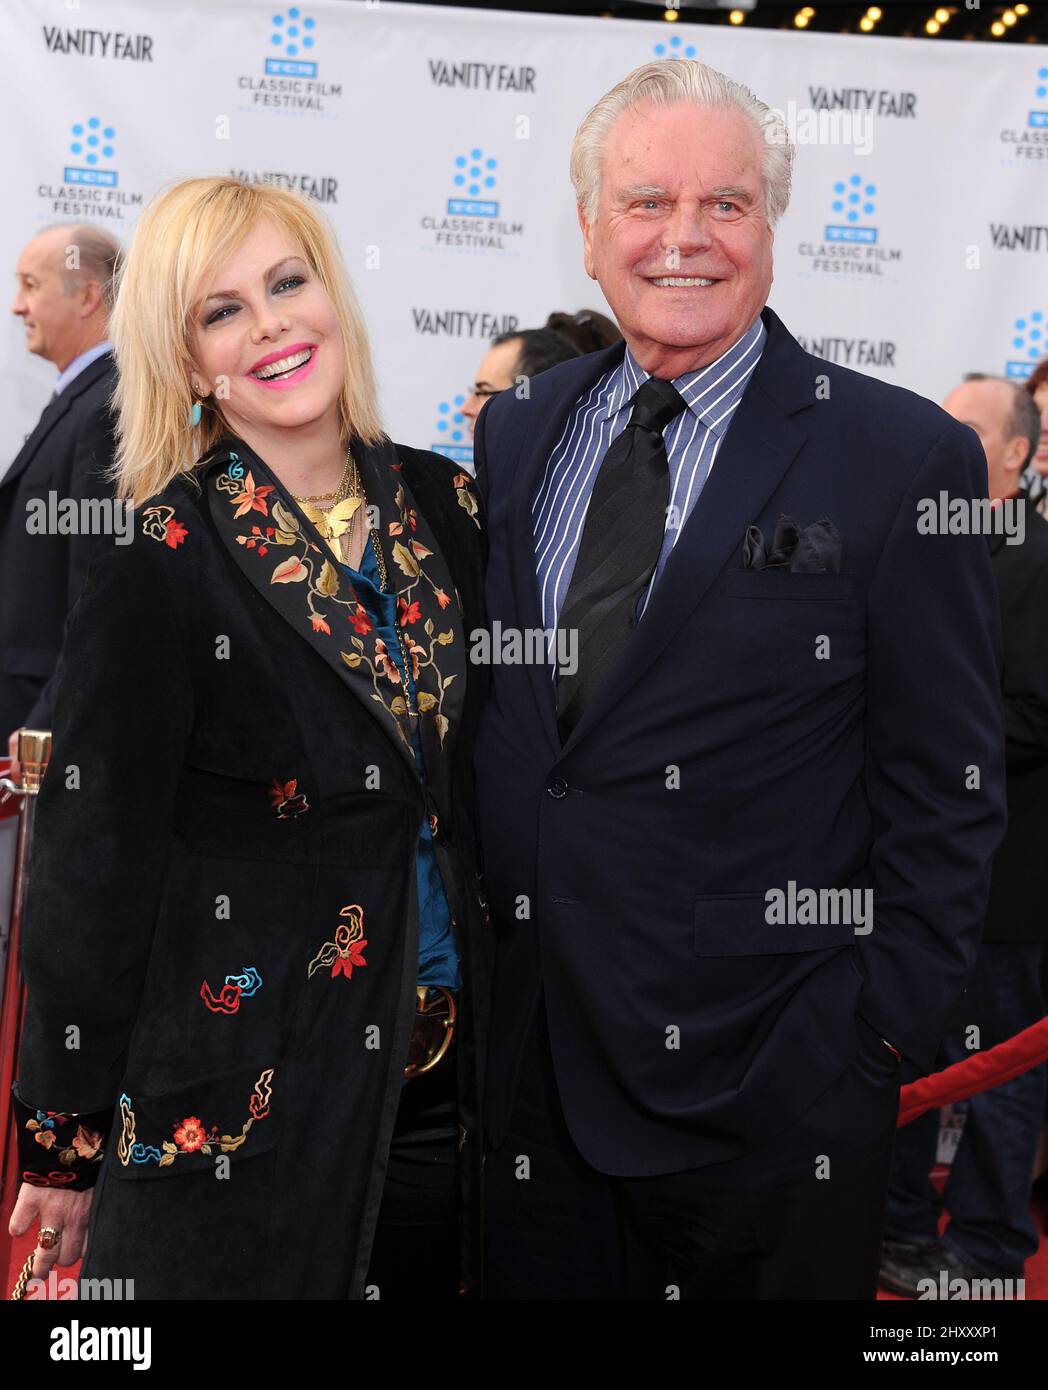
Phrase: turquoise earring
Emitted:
{"points": [[194, 415]]}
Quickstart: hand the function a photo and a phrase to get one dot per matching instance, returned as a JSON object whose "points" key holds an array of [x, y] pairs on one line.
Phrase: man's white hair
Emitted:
{"points": [[666, 82]]}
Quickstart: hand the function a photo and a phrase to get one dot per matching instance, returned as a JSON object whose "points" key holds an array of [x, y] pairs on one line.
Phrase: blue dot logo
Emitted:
{"points": [[292, 32], [92, 140], [675, 48], [854, 198], [474, 172], [1028, 334], [451, 423]]}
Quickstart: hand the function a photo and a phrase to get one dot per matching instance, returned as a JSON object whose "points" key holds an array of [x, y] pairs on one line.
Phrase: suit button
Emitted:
{"points": [[558, 787]]}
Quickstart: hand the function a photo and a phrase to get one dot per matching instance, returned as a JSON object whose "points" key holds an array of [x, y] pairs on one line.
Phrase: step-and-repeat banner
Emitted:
{"points": [[437, 140]]}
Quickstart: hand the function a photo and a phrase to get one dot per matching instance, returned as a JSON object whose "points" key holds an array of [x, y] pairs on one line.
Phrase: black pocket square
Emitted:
{"points": [[814, 550]]}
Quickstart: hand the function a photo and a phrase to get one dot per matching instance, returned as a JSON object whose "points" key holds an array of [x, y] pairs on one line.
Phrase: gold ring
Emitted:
{"points": [[49, 1237]]}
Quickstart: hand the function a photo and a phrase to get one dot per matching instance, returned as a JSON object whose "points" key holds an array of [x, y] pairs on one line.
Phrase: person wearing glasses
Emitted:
{"points": [[255, 936], [513, 358]]}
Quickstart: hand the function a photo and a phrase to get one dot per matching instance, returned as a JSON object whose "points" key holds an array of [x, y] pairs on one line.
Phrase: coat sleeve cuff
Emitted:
{"points": [[60, 1148]]}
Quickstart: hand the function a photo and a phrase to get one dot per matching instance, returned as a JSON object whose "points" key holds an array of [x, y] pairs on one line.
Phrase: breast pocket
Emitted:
{"points": [[809, 628]]}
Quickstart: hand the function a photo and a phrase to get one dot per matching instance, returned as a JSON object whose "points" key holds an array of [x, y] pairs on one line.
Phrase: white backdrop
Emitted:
{"points": [[438, 142]]}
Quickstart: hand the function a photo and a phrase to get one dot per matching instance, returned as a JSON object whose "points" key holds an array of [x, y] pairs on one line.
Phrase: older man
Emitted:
{"points": [[65, 279], [738, 853]]}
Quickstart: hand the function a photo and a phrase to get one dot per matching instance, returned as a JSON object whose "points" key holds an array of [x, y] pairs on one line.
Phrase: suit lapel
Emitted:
{"points": [[762, 442], [54, 411], [283, 556], [528, 476]]}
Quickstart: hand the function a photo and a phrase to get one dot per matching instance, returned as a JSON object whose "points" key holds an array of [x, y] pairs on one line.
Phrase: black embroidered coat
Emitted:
{"points": [[221, 930]]}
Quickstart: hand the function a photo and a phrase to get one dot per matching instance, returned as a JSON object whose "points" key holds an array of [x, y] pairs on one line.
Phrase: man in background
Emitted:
{"points": [[65, 279], [523, 353], [987, 1193]]}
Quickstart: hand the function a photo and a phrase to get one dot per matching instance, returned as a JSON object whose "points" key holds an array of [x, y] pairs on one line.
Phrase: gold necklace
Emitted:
{"points": [[340, 491]]}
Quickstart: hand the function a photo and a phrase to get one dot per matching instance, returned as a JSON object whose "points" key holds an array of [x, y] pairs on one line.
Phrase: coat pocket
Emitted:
{"points": [[188, 1129], [736, 924]]}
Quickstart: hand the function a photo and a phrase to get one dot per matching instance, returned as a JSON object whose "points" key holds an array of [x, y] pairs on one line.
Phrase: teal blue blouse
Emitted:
{"points": [[438, 962]]}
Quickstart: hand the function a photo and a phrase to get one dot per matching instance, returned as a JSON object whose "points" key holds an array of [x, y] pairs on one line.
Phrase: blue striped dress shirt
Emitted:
{"points": [[692, 441]]}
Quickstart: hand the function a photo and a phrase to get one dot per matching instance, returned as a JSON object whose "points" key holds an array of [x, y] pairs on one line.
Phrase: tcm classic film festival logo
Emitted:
{"points": [[1029, 343], [89, 187], [851, 244], [290, 80], [472, 220], [1029, 142]]}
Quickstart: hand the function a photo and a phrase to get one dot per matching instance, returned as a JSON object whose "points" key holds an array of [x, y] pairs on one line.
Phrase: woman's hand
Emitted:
{"points": [[66, 1211]]}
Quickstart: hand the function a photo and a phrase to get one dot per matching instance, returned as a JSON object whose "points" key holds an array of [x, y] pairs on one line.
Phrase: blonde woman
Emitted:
{"points": [[255, 940]]}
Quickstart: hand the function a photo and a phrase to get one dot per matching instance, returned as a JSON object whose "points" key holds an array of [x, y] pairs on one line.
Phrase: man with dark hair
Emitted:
{"points": [[987, 1193], [514, 357]]}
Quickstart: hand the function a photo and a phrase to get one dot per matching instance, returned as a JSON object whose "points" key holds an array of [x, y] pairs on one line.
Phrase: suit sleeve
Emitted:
{"points": [[95, 446], [935, 758], [102, 833], [1026, 679]]}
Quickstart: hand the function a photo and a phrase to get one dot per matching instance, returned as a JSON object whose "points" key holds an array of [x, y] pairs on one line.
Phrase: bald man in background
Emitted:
{"points": [[65, 278]]}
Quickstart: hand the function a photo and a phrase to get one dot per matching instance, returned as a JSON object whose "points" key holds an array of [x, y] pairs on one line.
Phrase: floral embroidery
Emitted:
{"points": [[461, 482], [190, 1135], [360, 620], [161, 524], [396, 528], [258, 539], [229, 481], [251, 498], [345, 951], [290, 571], [86, 1145], [328, 592], [287, 799], [48, 1179], [236, 987]]}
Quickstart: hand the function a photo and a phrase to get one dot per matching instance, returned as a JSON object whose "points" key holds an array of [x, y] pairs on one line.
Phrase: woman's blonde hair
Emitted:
{"points": [[184, 234]]}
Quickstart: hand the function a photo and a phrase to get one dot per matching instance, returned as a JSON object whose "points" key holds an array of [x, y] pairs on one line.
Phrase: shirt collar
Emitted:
{"points": [[79, 363], [712, 392]]}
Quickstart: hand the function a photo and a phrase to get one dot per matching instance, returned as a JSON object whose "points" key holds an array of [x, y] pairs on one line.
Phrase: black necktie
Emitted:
{"points": [[621, 540]]}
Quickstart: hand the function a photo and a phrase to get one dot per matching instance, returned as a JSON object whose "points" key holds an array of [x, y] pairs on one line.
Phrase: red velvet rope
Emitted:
{"points": [[980, 1072]]}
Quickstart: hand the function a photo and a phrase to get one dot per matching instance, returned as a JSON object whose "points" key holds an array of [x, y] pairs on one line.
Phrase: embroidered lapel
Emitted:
{"points": [[429, 610], [283, 555]]}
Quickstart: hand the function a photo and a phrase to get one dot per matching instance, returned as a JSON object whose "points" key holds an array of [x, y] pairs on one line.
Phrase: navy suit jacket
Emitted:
{"points": [[732, 751]]}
